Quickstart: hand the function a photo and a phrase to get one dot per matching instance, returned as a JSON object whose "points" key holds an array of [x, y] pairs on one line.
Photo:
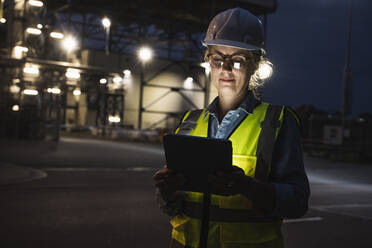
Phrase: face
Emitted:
{"points": [[231, 69]]}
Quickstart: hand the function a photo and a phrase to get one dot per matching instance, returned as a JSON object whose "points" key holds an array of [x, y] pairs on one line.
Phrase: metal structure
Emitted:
{"points": [[172, 28]]}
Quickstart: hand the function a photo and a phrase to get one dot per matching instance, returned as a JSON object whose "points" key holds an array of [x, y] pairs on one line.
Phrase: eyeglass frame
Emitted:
{"points": [[228, 57]]}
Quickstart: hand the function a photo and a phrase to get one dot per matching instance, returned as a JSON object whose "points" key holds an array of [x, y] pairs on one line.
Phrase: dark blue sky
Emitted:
{"points": [[306, 42]]}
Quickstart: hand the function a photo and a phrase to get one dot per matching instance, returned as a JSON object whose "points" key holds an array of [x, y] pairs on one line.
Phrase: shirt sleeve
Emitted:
{"points": [[288, 173]]}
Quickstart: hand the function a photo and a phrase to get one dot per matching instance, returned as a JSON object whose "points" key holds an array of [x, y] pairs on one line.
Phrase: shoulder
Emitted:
{"points": [[290, 113]]}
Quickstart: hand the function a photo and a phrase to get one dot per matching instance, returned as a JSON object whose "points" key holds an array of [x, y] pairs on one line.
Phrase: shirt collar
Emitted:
{"points": [[248, 105]]}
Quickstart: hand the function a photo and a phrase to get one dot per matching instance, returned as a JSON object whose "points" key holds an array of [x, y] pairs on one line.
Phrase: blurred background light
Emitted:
{"points": [[103, 81], [114, 119], [188, 83], [145, 54], [69, 43], [106, 22], [30, 92], [15, 108], [36, 3], [72, 73], [56, 35], [265, 70], [34, 31]]}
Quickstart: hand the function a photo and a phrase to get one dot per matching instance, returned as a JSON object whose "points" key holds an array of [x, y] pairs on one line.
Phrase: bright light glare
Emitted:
{"points": [[117, 80], [54, 91], [127, 73], [33, 70], [34, 31], [206, 66], [2, 20], [188, 83], [30, 92], [18, 51], [15, 108], [69, 43], [103, 81], [265, 70], [106, 22], [14, 89], [36, 3], [76, 92], [39, 26], [114, 119], [56, 35], [72, 73], [145, 54]]}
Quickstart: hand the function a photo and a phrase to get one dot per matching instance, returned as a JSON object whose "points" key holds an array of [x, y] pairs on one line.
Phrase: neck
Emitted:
{"points": [[227, 103]]}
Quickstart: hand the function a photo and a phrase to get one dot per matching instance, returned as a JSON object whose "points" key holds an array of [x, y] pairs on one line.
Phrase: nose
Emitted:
{"points": [[227, 65]]}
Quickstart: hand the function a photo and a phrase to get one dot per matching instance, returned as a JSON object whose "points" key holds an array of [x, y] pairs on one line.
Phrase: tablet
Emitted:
{"points": [[196, 157]]}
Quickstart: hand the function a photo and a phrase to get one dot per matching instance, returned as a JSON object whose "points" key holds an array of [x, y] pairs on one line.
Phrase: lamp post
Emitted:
{"points": [[347, 80], [107, 24], [144, 55]]}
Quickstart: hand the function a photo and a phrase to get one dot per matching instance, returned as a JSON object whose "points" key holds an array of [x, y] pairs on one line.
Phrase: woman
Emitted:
{"points": [[268, 182]]}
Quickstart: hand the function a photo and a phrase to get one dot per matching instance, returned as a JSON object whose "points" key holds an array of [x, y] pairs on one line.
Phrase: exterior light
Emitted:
{"points": [[69, 43], [30, 69], [117, 80], [188, 83], [30, 92], [56, 35], [145, 54], [34, 31], [127, 73], [14, 89], [265, 70], [114, 119], [103, 81], [76, 92], [36, 3], [206, 66], [106, 22], [55, 91], [18, 51], [15, 108], [72, 73], [2, 20]]}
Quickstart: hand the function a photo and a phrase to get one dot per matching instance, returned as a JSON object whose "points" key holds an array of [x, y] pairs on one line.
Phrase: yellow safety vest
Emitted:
{"points": [[233, 221]]}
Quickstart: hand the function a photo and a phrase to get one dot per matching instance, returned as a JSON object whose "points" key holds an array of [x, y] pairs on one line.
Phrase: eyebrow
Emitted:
{"points": [[236, 53]]}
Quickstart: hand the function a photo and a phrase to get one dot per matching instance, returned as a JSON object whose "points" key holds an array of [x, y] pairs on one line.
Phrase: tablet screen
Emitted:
{"points": [[196, 157]]}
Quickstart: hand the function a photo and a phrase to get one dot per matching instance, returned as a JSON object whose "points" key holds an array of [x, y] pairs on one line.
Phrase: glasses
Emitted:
{"points": [[237, 62]]}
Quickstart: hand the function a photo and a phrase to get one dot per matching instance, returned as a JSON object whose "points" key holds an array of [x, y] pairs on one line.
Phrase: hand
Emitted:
{"points": [[231, 182], [168, 181]]}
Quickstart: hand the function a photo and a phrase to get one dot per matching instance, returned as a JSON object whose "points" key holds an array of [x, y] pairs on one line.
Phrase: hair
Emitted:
{"points": [[256, 84]]}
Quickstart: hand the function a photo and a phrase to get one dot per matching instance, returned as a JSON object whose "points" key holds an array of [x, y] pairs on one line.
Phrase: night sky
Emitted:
{"points": [[306, 42]]}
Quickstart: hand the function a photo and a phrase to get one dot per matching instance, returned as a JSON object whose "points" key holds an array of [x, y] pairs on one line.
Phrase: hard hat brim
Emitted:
{"points": [[229, 43]]}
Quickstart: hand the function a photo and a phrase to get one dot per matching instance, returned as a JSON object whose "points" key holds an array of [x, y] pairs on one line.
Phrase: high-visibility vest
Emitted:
{"points": [[233, 220]]}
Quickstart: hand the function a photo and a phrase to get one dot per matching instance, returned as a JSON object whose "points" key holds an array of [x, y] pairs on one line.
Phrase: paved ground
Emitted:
{"points": [[100, 194]]}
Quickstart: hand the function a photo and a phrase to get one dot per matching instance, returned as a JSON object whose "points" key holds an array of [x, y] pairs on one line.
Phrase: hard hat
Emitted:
{"points": [[235, 28]]}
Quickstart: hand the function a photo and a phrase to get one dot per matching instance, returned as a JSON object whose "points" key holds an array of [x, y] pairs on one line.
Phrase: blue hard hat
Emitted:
{"points": [[235, 28]]}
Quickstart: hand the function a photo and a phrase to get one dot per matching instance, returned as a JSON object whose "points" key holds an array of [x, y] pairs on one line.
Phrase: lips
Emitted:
{"points": [[228, 80]]}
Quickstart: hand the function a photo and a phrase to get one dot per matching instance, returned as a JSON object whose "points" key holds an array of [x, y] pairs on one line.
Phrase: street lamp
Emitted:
{"points": [[145, 54], [107, 24]]}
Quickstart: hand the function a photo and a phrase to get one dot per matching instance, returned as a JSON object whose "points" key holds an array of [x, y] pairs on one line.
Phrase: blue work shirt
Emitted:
{"points": [[287, 168]]}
